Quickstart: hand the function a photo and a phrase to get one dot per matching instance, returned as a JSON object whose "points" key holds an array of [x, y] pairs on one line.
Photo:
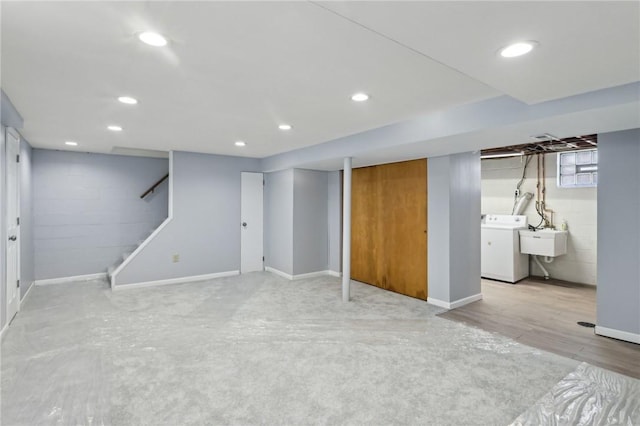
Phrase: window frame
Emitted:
{"points": [[584, 168]]}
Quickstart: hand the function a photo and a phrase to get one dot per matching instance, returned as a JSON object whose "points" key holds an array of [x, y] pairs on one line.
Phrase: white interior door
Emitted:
{"points": [[251, 222], [13, 244]]}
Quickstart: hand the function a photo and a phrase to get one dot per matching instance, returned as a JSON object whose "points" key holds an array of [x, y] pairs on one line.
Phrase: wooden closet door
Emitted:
{"points": [[365, 226], [404, 227], [388, 227]]}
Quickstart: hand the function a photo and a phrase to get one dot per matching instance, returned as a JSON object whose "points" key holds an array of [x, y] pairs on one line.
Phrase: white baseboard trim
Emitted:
{"points": [[311, 275], [466, 301], [181, 280], [64, 280], [302, 276], [618, 334], [456, 303], [278, 272], [439, 303], [33, 284]]}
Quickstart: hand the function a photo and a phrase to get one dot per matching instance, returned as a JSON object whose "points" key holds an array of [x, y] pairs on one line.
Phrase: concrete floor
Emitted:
{"points": [[258, 349]]}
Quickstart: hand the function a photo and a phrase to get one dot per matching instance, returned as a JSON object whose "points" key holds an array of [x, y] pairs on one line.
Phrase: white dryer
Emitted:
{"points": [[500, 255]]}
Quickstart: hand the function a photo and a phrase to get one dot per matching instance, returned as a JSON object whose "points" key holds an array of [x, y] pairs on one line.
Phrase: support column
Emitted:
{"points": [[346, 231]]}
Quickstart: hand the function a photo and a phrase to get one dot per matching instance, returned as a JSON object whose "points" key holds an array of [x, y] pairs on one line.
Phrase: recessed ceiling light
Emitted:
{"points": [[71, 143], [517, 49], [284, 127], [360, 97], [128, 100], [152, 39], [115, 128], [240, 143]]}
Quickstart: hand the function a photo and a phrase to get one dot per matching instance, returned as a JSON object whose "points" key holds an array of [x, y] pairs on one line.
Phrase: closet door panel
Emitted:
{"points": [[366, 248], [403, 227]]}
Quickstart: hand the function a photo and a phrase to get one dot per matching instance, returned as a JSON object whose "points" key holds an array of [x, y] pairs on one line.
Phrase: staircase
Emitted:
{"points": [[111, 269], [129, 251]]}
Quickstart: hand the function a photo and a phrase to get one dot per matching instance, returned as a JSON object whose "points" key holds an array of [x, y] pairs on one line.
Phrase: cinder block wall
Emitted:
{"points": [[87, 209], [578, 206]]}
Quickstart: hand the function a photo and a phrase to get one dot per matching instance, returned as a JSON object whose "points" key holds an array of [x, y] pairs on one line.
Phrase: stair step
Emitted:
{"points": [[111, 269]]}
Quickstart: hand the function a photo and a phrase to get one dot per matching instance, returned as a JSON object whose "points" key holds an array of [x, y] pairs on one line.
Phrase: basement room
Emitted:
{"points": [[386, 213]]}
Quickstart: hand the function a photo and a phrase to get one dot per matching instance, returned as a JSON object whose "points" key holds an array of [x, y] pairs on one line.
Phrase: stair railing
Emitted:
{"points": [[154, 186]]}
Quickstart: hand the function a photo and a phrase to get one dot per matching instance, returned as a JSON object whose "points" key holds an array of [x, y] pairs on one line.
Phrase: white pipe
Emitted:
{"points": [[346, 231], [544, 271], [548, 259]]}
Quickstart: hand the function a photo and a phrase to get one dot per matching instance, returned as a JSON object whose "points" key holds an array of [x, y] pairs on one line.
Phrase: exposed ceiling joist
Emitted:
{"points": [[544, 144]]}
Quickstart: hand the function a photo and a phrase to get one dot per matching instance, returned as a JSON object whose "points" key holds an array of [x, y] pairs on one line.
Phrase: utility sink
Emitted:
{"points": [[545, 242]]}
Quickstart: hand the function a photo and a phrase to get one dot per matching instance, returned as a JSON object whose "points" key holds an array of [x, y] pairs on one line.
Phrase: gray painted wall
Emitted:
{"points": [[618, 297], [334, 206], [205, 228], [438, 225], [278, 221], [297, 221], [310, 221], [87, 209], [454, 226], [464, 225], [27, 263], [9, 115]]}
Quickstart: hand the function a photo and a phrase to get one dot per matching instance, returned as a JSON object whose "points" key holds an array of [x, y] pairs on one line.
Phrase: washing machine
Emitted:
{"points": [[500, 255]]}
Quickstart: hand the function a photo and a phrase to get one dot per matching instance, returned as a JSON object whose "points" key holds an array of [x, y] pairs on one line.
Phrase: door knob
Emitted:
{"points": [[244, 224], [13, 238]]}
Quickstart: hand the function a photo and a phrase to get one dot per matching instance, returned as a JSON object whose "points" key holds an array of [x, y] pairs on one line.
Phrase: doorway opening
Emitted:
{"points": [[539, 242], [545, 194]]}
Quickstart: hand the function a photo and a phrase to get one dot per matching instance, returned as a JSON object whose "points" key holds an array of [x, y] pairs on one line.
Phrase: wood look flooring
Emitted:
{"points": [[544, 315]]}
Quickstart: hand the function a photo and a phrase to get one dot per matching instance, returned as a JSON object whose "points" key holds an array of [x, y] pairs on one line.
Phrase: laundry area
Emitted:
{"points": [[539, 211], [538, 251]]}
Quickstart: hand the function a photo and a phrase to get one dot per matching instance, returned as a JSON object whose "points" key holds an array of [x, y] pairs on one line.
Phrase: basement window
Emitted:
{"points": [[578, 169]]}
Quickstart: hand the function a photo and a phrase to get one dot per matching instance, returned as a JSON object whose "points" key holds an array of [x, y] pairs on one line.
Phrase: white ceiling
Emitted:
{"points": [[235, 70], [583, 45]]}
